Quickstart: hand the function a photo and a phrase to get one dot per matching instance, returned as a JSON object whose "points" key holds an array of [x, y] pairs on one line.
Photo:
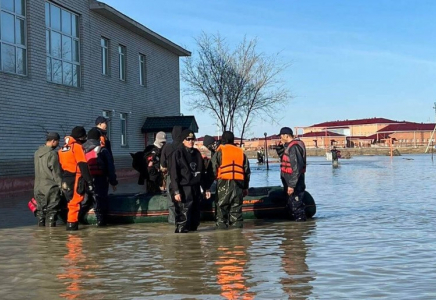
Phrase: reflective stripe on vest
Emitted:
{"points": [[285, 166], [94, 167], [232, 163]]}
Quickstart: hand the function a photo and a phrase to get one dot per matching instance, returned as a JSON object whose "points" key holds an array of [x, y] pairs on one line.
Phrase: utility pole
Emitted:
{"points": [[430, 141]]}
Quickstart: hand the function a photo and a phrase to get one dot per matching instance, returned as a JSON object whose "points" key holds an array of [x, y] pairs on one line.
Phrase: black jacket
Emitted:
{"points": [[186, 169], [104, 159], [297, 157], [169, 148]]}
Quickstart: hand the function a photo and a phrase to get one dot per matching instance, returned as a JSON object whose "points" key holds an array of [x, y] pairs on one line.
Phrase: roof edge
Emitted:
{"points": [[136, 27]]}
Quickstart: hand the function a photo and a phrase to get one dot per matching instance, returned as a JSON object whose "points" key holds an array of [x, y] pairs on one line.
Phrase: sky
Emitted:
{"points": [[348, 59]]}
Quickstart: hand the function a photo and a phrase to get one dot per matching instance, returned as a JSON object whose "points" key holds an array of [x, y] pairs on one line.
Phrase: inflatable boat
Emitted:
{"points": [[260, 203]]}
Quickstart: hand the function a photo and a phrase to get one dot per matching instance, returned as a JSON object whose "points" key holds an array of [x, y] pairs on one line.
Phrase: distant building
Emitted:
{"points": [[63, 63]]}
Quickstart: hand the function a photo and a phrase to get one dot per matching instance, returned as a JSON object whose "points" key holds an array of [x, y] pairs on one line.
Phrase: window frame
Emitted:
{"points": [[105, 61], [76, 66], [123, 135], [142, 69], [17, 47], [108, 115], [122, 62]]}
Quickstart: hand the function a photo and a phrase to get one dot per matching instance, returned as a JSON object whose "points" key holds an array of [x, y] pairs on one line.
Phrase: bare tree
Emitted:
{"points": [[234, 85]]}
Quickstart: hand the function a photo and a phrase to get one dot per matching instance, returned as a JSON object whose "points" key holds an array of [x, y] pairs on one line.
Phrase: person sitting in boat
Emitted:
{"points": [[155, 178], [232, 170], [187, 178], [292, 172]]}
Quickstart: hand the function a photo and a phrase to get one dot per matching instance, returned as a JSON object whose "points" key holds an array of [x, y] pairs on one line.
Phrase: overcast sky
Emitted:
{"points": [[349, 59]]}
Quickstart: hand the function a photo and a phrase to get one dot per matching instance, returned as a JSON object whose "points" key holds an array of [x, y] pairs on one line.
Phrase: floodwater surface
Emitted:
{"points": [[372, 237]]}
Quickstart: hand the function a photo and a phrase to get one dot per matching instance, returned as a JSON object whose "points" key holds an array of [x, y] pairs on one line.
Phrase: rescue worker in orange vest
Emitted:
{"points": [[292, 170], [76, 180], [103, 173], [232, 170]]}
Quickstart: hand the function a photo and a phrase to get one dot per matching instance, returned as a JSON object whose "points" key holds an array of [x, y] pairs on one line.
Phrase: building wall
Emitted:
{"points": [[30, 106]]}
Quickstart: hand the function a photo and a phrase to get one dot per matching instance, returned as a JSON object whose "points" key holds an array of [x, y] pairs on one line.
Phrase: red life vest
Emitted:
{"points": [[285, 166], [92, 158]]}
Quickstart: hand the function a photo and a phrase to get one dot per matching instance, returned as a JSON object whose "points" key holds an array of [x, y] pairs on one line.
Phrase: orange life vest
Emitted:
{"points": [[232, 163], [285, 166], [70, 155]]}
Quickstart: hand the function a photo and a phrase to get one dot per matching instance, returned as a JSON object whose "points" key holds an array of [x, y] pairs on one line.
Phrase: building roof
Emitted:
{"points": [[130, 24], [343, 123], [155, 124], [319, 134], [409, 127]]}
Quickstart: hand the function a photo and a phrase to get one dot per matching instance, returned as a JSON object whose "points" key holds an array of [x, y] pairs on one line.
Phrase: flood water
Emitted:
{"points": [[373, 237]]}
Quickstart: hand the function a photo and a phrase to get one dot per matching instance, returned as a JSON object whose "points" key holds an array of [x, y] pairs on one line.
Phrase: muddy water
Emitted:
{"points": [[373, 237]]}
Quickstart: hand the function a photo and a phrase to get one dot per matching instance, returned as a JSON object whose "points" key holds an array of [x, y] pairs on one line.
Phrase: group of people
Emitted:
{"points": [[188, 176], [82, 168]]}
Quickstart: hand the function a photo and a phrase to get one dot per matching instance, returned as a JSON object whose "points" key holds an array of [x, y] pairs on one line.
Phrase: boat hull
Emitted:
{"points": [[260, 203]]}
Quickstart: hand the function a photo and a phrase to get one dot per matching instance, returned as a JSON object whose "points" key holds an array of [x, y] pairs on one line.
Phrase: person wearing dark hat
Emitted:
{"points": [[48, 181], [232, 170], [165, 157], [103, 172], [292, 172], [76, 178], [101, 124], [211, 144], [187, 178]]}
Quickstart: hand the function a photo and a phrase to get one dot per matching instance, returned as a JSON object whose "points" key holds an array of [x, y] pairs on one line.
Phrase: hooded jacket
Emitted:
{"points": [[48, 172], [169, 148], [104, 159]]}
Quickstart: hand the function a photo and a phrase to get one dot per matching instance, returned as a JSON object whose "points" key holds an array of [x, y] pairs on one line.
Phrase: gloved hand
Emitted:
{"points": [[90, 187]]}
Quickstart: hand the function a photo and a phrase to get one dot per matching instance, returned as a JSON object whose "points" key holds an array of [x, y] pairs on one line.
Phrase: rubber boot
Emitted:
{"points": [[72, 226], [51, 221], [181, 229], [41, 222], [101, 220]]}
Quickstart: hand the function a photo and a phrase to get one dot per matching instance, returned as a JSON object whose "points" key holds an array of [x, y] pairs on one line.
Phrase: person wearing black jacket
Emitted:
{"points": [[101, 126], [152, 159], [102, 170], [292, 172], [187, 178], [166, 152]]}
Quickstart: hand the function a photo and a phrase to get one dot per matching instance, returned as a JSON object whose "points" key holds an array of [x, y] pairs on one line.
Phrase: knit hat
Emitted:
{"points": [[53, 136], [94, 134], [208, 140], [78, 132], [228, 137], [286, 130], [187, 133], [100, 120]]}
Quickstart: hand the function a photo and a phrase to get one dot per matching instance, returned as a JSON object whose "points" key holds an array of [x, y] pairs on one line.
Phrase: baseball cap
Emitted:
{"points": [[286, 130]]}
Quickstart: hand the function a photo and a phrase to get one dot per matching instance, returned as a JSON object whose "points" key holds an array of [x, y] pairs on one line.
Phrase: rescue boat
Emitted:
{"points": [[260, 203]]}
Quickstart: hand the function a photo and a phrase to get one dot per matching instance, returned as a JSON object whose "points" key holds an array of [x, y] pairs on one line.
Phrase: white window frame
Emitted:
{"points": [[18, 48], [142, 69], [123, 128], [122, 62], [105, 62], [51, 58], [108, 114]]}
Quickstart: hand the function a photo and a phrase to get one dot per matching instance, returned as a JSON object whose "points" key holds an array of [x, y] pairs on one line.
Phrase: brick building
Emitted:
{"points": [[63, 63]]}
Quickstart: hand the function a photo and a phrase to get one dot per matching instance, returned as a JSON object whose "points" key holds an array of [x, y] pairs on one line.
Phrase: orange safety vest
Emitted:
{"points": [[70, 155], [232, 163], [285, 166]]}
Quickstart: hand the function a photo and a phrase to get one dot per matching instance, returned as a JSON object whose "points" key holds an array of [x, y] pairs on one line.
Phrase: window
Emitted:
{"points": [[13, 52], [108, 114], [123, 119], [142, 70], [62, 45], [104, 56], [122, 62]]}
